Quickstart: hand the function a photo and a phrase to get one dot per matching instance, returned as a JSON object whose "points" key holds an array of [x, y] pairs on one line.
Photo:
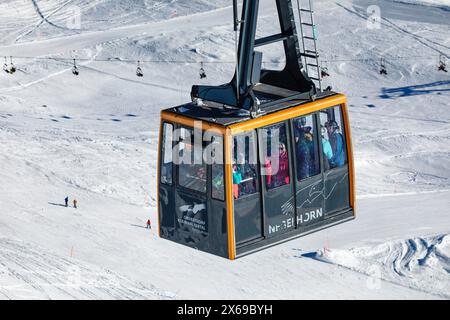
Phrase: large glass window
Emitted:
{"points": [[333, 140], [245, 168], [191, 166], [275, 155], [167, 153], [306, 147], [215, 150]]}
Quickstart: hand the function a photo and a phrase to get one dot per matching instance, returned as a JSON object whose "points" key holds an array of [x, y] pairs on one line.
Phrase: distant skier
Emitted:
{"points": [[149, 224], [66, 200], [75, 203]]}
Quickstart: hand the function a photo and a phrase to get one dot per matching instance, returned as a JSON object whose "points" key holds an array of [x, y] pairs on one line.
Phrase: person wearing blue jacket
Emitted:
{"points": [[337, 144], [326, 148]]}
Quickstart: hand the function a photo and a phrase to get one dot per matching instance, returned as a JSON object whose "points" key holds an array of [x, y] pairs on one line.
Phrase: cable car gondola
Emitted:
{"points": [[258, 161]]}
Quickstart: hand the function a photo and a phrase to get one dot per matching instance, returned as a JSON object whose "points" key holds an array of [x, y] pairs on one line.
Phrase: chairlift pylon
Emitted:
{"points": [[202, 72], [442, 65], [139, 71], [75, 70], [383, 70]]}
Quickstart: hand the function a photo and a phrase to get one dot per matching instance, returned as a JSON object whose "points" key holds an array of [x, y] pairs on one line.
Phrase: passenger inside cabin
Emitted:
{"points": [[218, 185], [337, 144], [326, 147], [304, 141], [283, 170], [237, 179]]}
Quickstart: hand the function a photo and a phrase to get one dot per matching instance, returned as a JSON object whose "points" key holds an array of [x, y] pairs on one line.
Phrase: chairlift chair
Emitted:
{"points": [[202, 72], [12, 67], [75, 70], [139, 71], [383, 70], [324, 72], [5, 66], [442, 65]]}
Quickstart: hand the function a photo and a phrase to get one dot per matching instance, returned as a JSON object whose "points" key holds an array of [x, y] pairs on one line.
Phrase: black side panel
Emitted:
{"points": [[218, 232], [279, 211], [247, 218], [167, 211], [191, 220], [310, 202], [337, 190]]}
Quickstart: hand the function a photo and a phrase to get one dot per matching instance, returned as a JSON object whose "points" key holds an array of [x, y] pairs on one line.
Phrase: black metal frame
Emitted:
{"points": [[249, 73]]}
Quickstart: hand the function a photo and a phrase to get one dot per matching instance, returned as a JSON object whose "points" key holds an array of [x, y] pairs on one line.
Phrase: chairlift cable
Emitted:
{"points": [[116, 60]]}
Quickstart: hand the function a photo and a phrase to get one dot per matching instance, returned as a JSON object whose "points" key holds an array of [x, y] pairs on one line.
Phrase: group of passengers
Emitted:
{"points": [[245, 175], [332, 147]]}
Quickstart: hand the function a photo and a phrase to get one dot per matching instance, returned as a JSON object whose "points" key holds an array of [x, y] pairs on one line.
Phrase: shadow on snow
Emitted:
{"points": [[421, 89]]}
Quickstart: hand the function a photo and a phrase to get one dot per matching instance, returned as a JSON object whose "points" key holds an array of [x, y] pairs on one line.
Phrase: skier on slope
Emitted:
{"points": [[149, 224], [75, 203], [66, 201]]}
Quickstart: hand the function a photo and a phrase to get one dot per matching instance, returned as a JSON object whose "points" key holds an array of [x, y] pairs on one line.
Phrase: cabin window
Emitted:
{"points": [[333, 138], [215, 150], [245, 168], [191, 166], [275, 155], [167, 161], [306, 147]]}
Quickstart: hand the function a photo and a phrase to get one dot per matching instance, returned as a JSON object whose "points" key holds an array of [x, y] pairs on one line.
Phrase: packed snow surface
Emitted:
{"points": [[94, 138]]}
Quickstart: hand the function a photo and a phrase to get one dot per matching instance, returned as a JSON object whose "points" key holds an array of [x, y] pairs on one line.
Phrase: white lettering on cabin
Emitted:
{"points": [[309, 216]]}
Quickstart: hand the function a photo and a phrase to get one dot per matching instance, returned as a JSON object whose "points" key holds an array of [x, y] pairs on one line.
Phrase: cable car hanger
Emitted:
{"points": [[239, 92]]}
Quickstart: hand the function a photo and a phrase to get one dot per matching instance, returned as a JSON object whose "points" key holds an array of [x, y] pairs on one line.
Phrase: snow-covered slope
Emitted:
{"points": [[52, 18], [29, 272], [419, 263], [94, 137]]}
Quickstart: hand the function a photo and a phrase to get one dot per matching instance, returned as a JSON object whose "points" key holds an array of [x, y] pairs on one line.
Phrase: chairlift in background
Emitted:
{"points": [[75, 70], [139, 71], [5, 66], [324, 72], [442, 63], [202, 72], [383, 69], [12, 67]]}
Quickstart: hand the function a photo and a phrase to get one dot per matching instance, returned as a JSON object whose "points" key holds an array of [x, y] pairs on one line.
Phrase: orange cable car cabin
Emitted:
{"points": [[261, 160]]}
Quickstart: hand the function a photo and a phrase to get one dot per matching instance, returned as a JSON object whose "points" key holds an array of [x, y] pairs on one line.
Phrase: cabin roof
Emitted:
{"points": [[272, 99]]}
